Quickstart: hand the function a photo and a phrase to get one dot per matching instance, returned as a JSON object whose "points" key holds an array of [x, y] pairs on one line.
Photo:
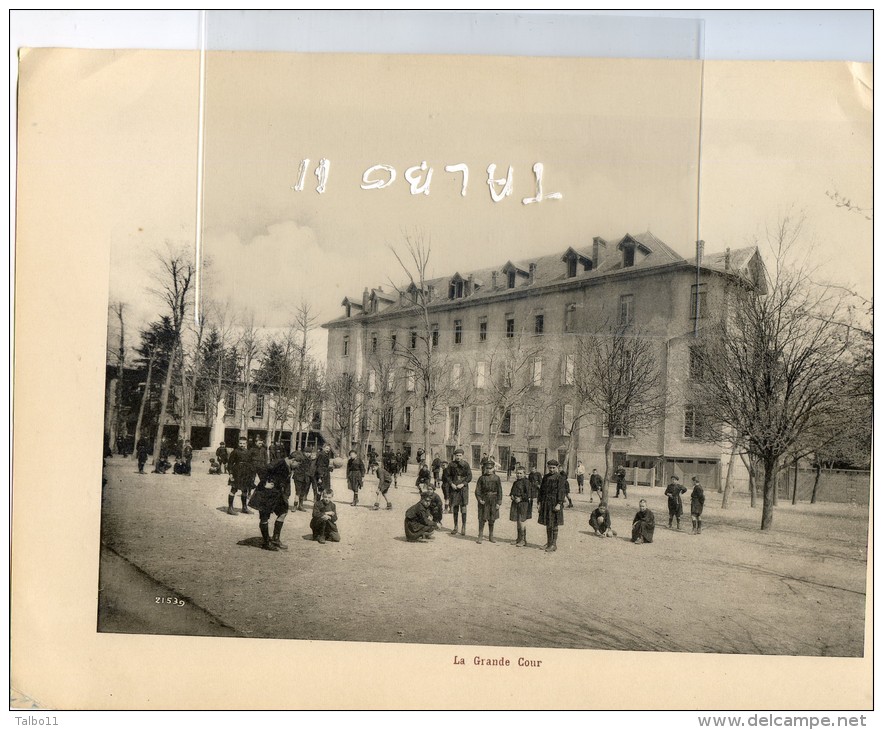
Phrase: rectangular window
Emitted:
{"points": [[569, 313], [435, 335], [510, 325], [698, 300], [346, 346], [456, 373], [410, 381], [231, 402], [372, 381], [506, 426], [628, 256], [539, 324], [626, 309], [478, 419], [392, 342], [537, 372], [259, 405], [697, 366], [391, 379], [453, 422], [533, 457], [408, 418], [476, 456], [567, 370], [480, 374], [413, 339], [511, 280], [571, 267], [373, 342], [387, 422], [458, 331], [482, 329], [566, 419], [694, 424]]}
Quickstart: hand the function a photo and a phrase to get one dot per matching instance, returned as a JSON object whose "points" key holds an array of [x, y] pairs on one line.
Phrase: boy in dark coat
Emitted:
{"points": [[302, 479], [697, 503], [424, 477], [241, 476], [324, 522], [187, 455], [550, 504], [419, 522], [673, 491], [619, 476], [643, 525], [436, 475], [324, 468], [271, 497], [521, 509], [222, 455], [142, 452], [600, 521], [355, 472], [458, 475], [596, 484], [489, 495], [436, 508]]}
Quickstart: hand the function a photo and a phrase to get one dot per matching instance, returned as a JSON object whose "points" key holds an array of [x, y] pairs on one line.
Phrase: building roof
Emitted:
{"points": [[651, 252]]}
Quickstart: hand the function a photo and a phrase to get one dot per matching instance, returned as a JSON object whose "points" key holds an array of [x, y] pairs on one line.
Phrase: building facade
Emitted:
{"points": [[523, 320]]}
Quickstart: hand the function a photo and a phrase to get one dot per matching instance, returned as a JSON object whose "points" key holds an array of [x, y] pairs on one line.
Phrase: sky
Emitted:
{"points": [[719, 150]]}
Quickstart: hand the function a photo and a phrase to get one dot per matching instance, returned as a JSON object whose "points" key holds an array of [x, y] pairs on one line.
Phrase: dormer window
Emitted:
{"points": [[628, 256], [457, 288], [349, 309], [574, 259], [513, 273], [510, 281]]}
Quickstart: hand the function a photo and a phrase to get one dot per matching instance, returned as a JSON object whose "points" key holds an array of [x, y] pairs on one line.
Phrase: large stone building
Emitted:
{"points": [[546, 303]]}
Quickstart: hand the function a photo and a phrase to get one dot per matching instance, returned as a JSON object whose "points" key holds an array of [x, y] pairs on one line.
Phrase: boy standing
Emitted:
{"points": [[580, 476], [489, 493], [458, 475], [596, 484], [355, 471], [550, 505], [522, 505], [697, 503], [673, 491], [271, 496], [383, 482]]}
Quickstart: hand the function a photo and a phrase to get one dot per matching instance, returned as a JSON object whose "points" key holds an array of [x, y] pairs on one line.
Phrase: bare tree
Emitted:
{"points": [[616, 376], [115, 427], [774, 367], [173, 280], [343, 392], [248, 346], [429, 367]]}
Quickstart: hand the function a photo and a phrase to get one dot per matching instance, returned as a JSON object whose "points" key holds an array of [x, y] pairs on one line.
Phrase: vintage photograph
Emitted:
{"points": [[490, 352], [502, 375]]}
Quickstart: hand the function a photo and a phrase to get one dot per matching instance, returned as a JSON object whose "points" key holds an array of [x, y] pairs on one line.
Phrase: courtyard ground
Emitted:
{"points": [[798, 589]]}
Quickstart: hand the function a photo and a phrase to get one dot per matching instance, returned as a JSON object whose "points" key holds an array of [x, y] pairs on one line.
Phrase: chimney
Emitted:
{"points": [[727, 260], [365, 297], [494, 280], [532, 274], [597, 243]]}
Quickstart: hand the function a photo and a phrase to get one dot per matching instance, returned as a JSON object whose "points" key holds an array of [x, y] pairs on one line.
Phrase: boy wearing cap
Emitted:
{"points": [[458, 475], [673, 491], [550, 504], [241, 476], [324, 522], [489, 494]]}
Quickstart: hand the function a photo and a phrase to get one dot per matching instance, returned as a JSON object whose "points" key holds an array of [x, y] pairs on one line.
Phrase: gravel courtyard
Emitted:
{"points": [[798, 589]]}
